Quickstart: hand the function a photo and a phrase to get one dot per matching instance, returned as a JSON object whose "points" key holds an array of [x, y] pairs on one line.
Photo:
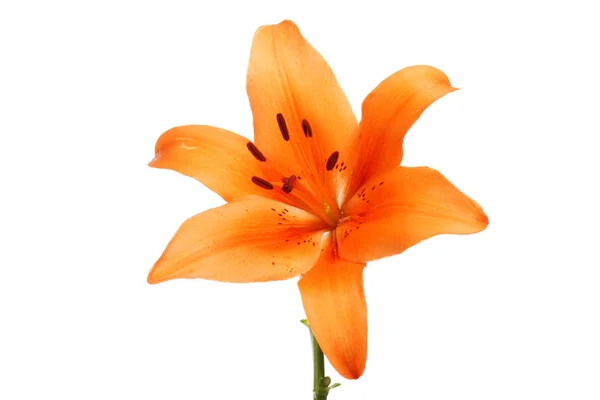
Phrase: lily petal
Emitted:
{"points": [[388, 112], [301, 114], [334, 302], [251, 239], [400, 208], [218, 158]]}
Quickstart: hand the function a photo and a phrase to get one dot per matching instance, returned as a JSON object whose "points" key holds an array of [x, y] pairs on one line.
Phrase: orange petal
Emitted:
{"points": [[218, 158], [287, 76], [388, 112], [334, 302], [251, 239], [402, 207]]}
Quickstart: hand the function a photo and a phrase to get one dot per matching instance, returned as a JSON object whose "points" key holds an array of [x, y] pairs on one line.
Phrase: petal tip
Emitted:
{"points": [[353, 373], [484, 220], [480, 217], [154, 276], [272, 29], [154, 163], [287, 24], [152, 279]]}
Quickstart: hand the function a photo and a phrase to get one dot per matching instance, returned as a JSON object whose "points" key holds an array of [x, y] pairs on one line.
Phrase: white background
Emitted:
{"points": [[86, 89]]}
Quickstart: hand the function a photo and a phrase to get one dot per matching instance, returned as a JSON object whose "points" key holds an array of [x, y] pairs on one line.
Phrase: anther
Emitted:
{"points": [[283, 127], [306, 128], [332, 160], [262, 183], [255, 152]]}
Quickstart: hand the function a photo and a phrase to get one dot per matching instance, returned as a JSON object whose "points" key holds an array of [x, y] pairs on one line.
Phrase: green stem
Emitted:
{"points": [[321, 382], [319, 369]]}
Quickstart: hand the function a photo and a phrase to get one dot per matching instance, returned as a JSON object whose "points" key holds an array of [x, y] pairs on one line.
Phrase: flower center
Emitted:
{"points": [[315, 194]]}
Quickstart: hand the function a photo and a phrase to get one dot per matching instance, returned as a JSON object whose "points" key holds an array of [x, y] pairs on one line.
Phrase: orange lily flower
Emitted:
{"points": [[317, 194]]}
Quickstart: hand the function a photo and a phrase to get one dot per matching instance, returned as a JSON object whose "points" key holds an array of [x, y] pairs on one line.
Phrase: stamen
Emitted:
{"points": [[306, 128], [262, 183], [332, 160], [283, 127], [255, 152]]}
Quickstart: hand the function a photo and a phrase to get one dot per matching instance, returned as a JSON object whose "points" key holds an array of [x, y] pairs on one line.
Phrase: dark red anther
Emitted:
{"points": [[255, 152], [262, 183], [306, 128], [332, 160], [283, 127]]}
